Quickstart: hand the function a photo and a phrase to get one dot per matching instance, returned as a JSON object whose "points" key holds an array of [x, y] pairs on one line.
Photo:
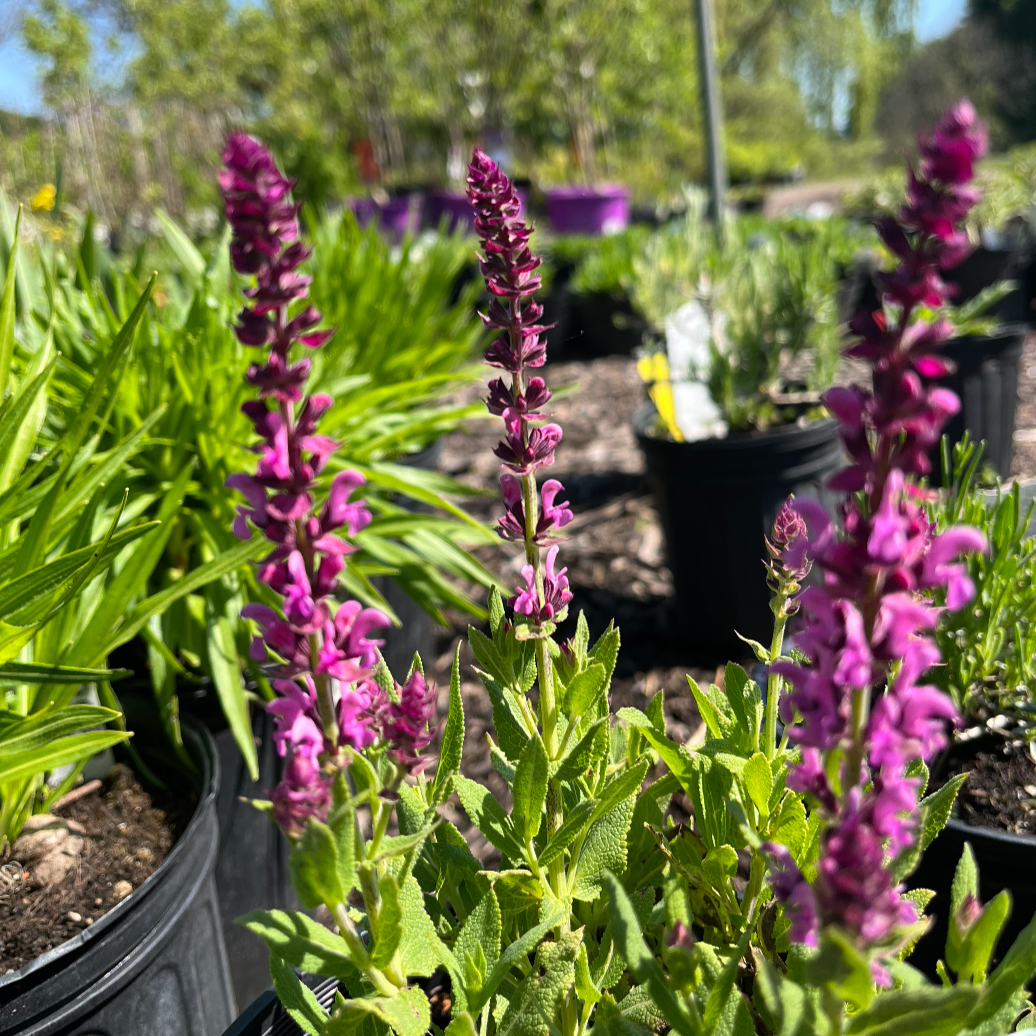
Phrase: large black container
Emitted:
{"points": [[252, 868], [717, 499], [984, 267], [154, 964], [986, 380], [1005, 861]]}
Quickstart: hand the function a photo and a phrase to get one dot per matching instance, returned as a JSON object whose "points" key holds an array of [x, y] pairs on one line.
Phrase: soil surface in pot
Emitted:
{"points": [[1000, 791], [124, 835]]}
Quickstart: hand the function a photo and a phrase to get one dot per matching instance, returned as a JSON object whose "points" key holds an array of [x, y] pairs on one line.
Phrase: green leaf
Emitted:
{"points": [[407, 1014], [620, 788], [488, 816], [7, 310], [841, 966], [313, 865], [417, 947], [481, 934], [35, 672], [517, 951], [34, 540], [928, 1011], [297, 999], [225, 669], [603, 850], [936, 808], [390, 924], [22, 733], [583, 691], [189, 258], [572, 826], [723, 987], [578, 759], [630, 943], [972, 960], [530, 1011], [758, 779], [302, 942], [530, 790], [59, 752], [452, 748], [199, 577], [965, 879]]}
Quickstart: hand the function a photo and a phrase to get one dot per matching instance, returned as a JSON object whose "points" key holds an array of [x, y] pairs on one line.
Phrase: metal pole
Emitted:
{"points": [[710, 102]]}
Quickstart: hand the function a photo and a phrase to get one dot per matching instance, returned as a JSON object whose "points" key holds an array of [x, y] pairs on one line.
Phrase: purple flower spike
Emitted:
{"points": [[858, 703], [509, 269], [320, 655]]}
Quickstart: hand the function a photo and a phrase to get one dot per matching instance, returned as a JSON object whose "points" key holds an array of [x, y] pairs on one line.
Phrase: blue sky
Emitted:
{"points": [[18, 90]]}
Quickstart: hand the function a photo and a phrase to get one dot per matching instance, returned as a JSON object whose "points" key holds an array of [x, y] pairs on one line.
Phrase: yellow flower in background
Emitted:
{"points": [[43, 200], [654, 370]]}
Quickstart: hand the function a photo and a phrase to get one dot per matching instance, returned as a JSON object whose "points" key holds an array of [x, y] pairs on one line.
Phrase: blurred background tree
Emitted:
{"points": [[382, 94]]}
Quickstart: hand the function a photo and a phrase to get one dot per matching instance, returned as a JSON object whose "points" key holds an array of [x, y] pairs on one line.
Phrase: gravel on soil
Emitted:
{"points": [[126, 839]]}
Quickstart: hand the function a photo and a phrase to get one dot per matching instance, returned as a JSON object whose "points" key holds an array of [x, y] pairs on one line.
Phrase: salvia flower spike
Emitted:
{"points": [[533, 516], [859, 710], [320, 655]]}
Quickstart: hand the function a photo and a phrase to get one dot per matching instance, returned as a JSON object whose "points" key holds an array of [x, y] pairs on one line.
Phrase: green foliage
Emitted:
{"points": [[770, 297], [402, 345], [75, 556], [988, 648]]}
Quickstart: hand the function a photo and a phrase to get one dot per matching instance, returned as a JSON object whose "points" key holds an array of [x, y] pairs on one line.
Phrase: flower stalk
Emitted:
{"points": [[532, 514], [861, 717]]}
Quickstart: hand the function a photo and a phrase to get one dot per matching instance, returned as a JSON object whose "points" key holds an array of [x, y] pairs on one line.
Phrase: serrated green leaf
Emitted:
{"points": [[530, 790], [931, 1011], [580, 757], [452, 748], [518, 950], [296, 998], [488, 816], [572, 826], [302, 942], [389, 931], [583, 691], [481, 932], [603, 850], [406, 1014], [630, 942], [530, 1011], [758, 780], [313, 865]]}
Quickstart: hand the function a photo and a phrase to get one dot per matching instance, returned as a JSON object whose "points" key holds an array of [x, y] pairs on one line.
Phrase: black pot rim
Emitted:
{"points": [[991, 833], [208, 783], [817, 430]]}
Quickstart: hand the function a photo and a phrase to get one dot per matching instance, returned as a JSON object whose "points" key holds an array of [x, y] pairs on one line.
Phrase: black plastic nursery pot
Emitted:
{"points": [[155, 964], [986, 380], [984, 267], [717, 499]]}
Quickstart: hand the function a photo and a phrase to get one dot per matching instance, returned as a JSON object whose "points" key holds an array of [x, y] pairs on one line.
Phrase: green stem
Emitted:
{"points": [[773, 683]]}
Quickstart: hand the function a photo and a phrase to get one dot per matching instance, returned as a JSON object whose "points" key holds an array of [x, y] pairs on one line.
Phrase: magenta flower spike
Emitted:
{"points": [[532, 516], [859, 710], [320, 655]]}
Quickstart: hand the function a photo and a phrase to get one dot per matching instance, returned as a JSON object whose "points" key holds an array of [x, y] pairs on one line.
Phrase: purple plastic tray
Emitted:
{"points": [[397, 216], [588, 210]]}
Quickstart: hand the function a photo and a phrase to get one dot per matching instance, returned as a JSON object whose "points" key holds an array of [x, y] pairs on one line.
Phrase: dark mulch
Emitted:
{"points": [[128, 837], [1000, 791]]}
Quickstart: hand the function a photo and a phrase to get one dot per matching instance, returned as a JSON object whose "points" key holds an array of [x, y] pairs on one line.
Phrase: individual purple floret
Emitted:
{"points": [[408, 725]]}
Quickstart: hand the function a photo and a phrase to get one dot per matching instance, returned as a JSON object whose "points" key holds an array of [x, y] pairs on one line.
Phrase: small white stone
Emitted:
{"points": [[74, 917], [122, 889]]}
